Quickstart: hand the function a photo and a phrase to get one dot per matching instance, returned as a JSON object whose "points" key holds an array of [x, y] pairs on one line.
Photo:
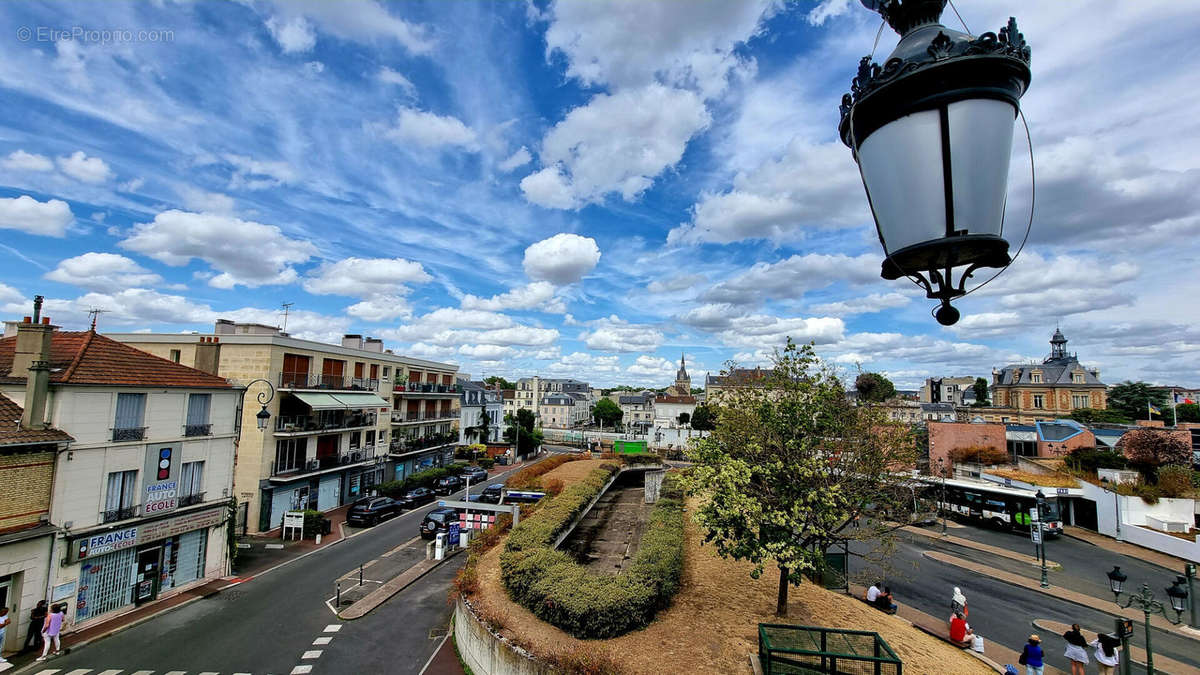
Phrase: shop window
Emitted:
{"points": [[122, 491]]}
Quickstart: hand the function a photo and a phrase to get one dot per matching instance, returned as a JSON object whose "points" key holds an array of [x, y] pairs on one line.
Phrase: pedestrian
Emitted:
{"points": [[1031, 656], [958, 602], [1076, 650], [873, 592], [4, 621], [960, 630], [884, 600], [51, 630], [1106, 652], [37, 618]]}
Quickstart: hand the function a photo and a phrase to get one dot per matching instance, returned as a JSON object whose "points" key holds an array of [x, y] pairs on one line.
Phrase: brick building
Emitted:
{"points": [[1024, 393]]}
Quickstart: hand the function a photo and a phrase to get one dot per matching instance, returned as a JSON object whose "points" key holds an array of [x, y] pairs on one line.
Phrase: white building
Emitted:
{"points": [[638, 410], [669, 408], [533, 392], [477, 400], [140, 500]]}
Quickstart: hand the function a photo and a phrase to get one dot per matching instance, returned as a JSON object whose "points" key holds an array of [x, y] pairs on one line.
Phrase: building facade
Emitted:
{"points": [[668, 409], [637, 410], [532, 391], [476, 401], [946, 389], [140, 500], [343, 417], [1033, 392]]}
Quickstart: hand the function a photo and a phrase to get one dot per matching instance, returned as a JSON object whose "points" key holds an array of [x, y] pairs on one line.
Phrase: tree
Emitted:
{"points": [[791, 464], [1096, 416], [1131, 397], [874, 387], [1147, 449], [684, 418], [981, 391], [703, 418], [606, 412], [495, 380], [1187, 412], [480, 431], [521, 433]]}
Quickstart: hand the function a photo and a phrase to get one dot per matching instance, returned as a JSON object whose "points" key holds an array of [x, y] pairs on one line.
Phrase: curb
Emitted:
{"points": [[1173, 665], [985, 548], [371, 602]]}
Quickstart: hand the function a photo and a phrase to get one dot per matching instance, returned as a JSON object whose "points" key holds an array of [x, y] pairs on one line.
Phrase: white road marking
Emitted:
{"points": [[274, 547], [333, 628], [301, 670], [118, 672], [48, 671], [210, 672], [80, 671], [144, 672], [324, 640], [312, 654], [176, 672]]}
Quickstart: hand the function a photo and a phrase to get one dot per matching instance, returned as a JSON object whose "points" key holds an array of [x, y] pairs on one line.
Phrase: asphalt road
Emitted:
{"points": [[1004, 613], [267, 624]]}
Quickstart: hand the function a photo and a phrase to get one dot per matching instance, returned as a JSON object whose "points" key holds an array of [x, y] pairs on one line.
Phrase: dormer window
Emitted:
{"points": [[1035, 377], [1077, 378]]}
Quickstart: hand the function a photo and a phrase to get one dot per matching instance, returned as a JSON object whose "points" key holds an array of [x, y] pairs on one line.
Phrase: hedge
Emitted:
{"points": [[424, 478], [560, 591]]}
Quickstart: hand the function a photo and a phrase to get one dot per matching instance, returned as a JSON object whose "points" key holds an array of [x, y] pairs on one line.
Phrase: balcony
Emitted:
{"points": [[123, 513], [322, 422], [327, 382], [192, 499], [405, 445], [319, 464], [129, 434], [197, 430], [422, 389], [409, 418]]}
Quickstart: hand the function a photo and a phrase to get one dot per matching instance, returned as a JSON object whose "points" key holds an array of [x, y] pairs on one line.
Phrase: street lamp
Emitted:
{"points": [[942, 504], [1146, 602], [931, 131], [264, 397], [1041, 506]]}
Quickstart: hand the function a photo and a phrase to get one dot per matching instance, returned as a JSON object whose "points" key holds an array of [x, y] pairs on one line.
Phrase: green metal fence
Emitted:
{"points": [[787, 649]]}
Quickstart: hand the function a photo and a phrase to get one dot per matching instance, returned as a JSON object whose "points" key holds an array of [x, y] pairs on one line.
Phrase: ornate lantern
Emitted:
{"points": [[931, 131]]}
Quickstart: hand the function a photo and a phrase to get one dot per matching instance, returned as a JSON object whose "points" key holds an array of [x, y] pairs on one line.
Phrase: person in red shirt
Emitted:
{"points": [[959, 630]]}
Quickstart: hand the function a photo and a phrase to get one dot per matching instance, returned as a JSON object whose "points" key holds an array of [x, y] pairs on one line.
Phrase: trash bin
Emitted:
{"points": [[326, 526]]}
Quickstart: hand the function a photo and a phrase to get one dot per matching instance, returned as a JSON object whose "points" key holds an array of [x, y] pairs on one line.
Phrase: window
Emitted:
{"points": [[358, 369], [1038, 401], [1035, 378], [295, 371], [119, 502], [332, 372], [370, 440], [191, 483], [289, 454], [197, 423], [387, 371], [175, 355], [131, 411], [355, 440], [374, 371], [1079, 401]]}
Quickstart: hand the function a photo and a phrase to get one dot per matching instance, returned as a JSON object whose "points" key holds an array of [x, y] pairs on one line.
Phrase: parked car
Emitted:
{"points": [[492, 493], [475, 474], [371, 510], [437, 520], [446, 485], [416, 497]]}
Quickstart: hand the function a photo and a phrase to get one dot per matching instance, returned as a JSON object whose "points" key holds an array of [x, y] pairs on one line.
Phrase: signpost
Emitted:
{"points": [[293, 520]]}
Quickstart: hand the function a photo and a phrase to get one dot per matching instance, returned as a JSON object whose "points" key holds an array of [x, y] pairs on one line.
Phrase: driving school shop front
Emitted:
{"points": [[118, 569]]}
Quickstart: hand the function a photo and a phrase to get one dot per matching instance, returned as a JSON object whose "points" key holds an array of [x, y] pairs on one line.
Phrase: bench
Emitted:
{"points": [[874, 606], [942, 632]]}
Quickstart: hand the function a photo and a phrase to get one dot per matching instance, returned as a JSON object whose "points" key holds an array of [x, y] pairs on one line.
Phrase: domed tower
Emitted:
{"points": [[1058, 345]]}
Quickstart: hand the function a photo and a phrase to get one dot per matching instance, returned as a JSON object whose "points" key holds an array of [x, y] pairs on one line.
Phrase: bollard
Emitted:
{"points": [[360, 568], [338, 602], [318, 539]]}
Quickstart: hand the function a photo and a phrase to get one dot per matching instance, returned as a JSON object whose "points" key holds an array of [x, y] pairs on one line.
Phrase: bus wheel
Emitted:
{"points": [[997, 523]]}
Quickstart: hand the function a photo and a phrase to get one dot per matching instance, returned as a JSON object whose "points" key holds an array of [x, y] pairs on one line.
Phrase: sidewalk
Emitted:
{"points": [[978, 546], [1137, 654], [1107, 543]]}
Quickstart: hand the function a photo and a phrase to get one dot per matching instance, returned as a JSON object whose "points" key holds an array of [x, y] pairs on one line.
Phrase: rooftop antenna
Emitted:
{"points": [[286, 307], [95, 313]]}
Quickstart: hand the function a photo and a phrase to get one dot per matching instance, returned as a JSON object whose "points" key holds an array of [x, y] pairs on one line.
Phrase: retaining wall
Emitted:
{"points": [[486, 653]]}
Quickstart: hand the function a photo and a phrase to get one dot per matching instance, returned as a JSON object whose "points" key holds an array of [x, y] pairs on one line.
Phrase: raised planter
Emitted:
{"points": [[487, 653]]}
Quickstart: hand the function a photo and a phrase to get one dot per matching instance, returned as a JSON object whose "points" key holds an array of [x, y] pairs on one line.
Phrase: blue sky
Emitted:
{"points": [[581, 188]]}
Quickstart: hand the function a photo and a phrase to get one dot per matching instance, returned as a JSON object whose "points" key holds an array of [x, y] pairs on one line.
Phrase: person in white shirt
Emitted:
{"points": [[1107, 655], [873, 593]]}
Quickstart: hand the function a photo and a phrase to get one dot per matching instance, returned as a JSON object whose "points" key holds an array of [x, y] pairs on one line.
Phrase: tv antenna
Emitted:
{"points": [[287, 306], [95, 312]]}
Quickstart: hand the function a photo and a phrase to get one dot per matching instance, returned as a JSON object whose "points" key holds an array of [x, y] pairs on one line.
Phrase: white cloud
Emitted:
{"points": [[791, 277], [83, 168], [314, 67], [585, 366], [680, 282], [519, 158], [381, 308], [132, 185], [652, 366], [711, 317], [430, 130], [615, 143], [102, 272], [867, 304], [486, 352], [562, 259], [364, 21], [762, 331], [19, 160], [827, 9], [204, 201], [257, 174], [617, 335], [450, 327], [26, 214], [365, 277], [10, 294], [294, 35], [244, 252], [390, 76], [538, 295]]}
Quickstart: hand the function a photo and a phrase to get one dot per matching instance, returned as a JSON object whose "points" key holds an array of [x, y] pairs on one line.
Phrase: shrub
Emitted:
{"points": [[312, 523], [424, 478], [977, 454], [552, 486], [1175, 481], [487, 463], [1091, 459]]}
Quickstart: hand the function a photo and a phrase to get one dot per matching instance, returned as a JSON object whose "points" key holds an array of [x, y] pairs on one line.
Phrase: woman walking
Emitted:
{"points": [[51, 629], [1106, 653], [1031, 656], [1076, 650]]}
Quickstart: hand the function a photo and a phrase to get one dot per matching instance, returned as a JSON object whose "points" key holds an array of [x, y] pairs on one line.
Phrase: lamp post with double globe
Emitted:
{"points": [[1144, 600]]}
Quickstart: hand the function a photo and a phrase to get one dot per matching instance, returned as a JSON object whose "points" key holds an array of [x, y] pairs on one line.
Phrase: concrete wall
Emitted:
{"points": [[27, 561], [488, 654], [1180, 548], [1133, 513]]}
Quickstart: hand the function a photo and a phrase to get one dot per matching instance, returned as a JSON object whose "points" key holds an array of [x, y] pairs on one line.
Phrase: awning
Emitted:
{"points": [[320, 401], [360, 400]]}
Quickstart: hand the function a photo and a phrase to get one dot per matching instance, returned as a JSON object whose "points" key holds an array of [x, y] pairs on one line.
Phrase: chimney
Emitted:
{"points": [[374, 345], [352, 341], [31, 358], [223, 327], [208, 355]]}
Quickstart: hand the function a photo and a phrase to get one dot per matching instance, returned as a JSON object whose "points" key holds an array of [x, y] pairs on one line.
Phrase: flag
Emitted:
{"points": [[1153, 408]]}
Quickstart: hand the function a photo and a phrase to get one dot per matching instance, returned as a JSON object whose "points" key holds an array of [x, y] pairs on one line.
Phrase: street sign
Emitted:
{"points": [[1063, 491], [1033, 514], [1036, 535]]}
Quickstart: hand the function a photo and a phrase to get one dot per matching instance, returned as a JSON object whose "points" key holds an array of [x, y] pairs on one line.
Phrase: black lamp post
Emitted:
{"points": [[942, 505], [1041, 506], [931, 131], [1146, 602], [264, 397]]}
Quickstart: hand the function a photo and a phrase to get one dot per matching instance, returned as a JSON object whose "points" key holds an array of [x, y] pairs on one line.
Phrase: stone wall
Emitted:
{"points": [[486, 653]]}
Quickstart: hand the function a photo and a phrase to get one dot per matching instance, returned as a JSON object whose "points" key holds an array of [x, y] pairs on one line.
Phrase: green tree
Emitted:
{"points": [[1187, 412], [497, 380], [703, 418], [1131, 397], [981, 391], [479, 432], [684, 418], [606, 412], [791, 464], [1148, 449], [1096, 416], [521, 432], [874, 387]]}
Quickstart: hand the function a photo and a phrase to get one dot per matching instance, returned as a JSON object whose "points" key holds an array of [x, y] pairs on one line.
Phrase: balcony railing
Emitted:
{"points": [[197, 430], [338, 382], [410, 444], [426, 388], [334, 421], [400, 417], [129, 434], [123, 513], [314, 464], [194, 498]]}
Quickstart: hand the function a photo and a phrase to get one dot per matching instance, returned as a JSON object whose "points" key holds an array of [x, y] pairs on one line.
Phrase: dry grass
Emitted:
{"points": [[1036, 478], [572, 471], [711, 627]]}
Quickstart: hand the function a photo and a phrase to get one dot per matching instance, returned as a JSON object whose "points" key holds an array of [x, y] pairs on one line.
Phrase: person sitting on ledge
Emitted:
{"points": [[960, 633], [885, 602]]}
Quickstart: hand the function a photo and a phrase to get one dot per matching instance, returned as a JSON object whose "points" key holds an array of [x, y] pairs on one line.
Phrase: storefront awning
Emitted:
{"points": [[360, 400], [320, 401]]}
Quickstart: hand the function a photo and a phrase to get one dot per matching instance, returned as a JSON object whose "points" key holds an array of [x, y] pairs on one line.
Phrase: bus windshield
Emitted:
{"points": [[1051, 511]]}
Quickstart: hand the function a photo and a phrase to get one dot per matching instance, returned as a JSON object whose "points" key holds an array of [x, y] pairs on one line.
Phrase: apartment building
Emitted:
{"points": [[343, 417], [638, 410], [946, 389], [531, 392], [673, 411], [139, 500], [476, 400]]}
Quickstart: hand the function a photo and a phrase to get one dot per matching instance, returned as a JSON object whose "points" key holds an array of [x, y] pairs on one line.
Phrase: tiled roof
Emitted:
{"points": [[675, 399], [85, 357], [12, 434]]}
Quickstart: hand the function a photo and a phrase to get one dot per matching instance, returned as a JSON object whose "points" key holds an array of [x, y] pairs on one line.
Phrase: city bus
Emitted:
{"points": [[1000, 506]]}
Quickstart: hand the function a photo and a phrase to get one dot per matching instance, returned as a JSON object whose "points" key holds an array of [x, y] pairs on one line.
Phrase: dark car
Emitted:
{"points": [[437, 520], [492, 493], [475, 474], [416, 497], [371, 510], [446, 485]]}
